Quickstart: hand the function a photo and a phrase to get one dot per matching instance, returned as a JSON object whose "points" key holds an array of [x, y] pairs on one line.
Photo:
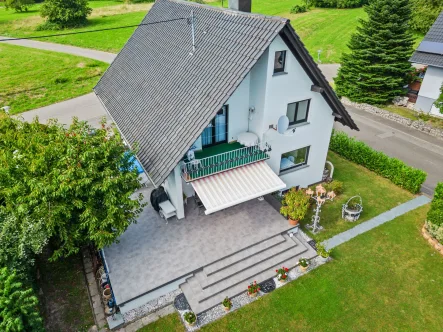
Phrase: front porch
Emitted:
{"points": [[152, 254]]}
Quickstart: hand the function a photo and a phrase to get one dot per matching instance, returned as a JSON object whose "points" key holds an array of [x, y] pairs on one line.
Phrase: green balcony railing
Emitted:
{"points": [[199, 168]]}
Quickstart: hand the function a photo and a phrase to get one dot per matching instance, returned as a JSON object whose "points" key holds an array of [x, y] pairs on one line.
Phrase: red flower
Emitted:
{"points": [[276, 270], [249, 286], [286, 269]]}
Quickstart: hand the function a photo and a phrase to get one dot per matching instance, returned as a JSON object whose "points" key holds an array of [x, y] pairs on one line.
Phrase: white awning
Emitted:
{"points": [[225, 189]]}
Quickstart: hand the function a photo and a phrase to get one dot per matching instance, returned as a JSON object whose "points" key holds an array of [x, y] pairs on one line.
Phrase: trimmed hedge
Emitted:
{"points": [[434, 222], [393, 169]]}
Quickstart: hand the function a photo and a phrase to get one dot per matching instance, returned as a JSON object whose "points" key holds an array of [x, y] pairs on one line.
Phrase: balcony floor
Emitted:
{"points": [[217, 149]]}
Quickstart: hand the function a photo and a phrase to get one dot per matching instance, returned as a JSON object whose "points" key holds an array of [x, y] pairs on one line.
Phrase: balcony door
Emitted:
{"points": [[217, 130]]}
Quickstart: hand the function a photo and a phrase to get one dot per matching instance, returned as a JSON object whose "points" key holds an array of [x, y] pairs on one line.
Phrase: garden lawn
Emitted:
{"points": [[34, 78], [387, 279], [328, 30], [378, 195], [64, 296]]}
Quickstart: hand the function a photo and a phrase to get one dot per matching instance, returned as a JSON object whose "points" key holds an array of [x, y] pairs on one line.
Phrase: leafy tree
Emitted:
{"points": [[21, 239], [19, 5], [18, 305], [377, 67], [66, 13], [424, 14], [439, 102], [77, 180]]}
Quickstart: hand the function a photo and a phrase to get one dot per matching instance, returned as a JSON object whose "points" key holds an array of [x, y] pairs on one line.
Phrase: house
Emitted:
{"points": [[225, 107], [430, 53]]}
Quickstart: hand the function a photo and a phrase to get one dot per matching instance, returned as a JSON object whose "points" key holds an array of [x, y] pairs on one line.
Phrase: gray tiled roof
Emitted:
{"points": [[162, 97], [435, 34]]}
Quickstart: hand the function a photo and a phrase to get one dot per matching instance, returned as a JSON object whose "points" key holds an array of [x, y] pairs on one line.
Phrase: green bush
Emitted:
{"points": [[424, 14], [19, 5], [66, 13], [299, 9], [335, 186], [339, 3], [434, 223], [393, 169]]}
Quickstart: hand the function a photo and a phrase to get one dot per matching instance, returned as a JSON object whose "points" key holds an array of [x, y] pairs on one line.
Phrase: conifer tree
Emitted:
{"points": [[376, 68]]}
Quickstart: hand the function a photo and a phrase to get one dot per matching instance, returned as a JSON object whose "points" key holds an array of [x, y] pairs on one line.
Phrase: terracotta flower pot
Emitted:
{"points": [[303, 268], [191, 324], [226, 308], [293, 222], [252, 294], [107, 293]]}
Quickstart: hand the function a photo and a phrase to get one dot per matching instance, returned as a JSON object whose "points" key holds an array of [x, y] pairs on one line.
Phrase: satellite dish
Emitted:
{"points": [[282, 124]]}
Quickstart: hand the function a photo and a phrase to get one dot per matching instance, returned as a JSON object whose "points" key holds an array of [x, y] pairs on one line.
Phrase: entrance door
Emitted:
{"points": [[217, 130]]}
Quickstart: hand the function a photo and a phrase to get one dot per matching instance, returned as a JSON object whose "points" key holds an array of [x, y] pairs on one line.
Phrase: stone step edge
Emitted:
{"points": [[249, 277], [270, 275], [243, 249], [291, 247], [244, 258]]}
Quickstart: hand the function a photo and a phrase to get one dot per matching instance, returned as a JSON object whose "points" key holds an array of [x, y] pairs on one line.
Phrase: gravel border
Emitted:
{"points": [[417, 124]]}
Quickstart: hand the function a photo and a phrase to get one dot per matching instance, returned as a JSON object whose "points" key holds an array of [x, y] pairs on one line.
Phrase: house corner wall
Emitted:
{"points": [[429, 90], [174, 189]]}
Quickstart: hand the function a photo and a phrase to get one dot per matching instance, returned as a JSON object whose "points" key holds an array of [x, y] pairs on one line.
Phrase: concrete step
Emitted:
{"points": [[234, 283], [250, 262], [227, 261]]}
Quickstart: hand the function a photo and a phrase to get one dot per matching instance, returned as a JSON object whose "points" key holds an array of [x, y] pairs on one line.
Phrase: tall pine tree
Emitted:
{"points": [[375, 70]]}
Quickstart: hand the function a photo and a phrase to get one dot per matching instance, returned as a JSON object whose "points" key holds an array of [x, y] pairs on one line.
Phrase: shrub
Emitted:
{"points": [[299, 9], [335, 186], [434, 222], [66, 13], [322, 251], [295, 204], [19, 5], [190, 317], [393, 169], [339, 3], [18, 305], [303, 262], [424, 14], [227, 303]]}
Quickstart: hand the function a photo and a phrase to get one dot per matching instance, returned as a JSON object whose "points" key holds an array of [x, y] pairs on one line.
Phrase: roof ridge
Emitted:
{"points": [[229, 11]]}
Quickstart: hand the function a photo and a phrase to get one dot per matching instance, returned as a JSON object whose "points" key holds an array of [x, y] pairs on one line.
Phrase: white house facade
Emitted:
{"points": [[430, 53]]}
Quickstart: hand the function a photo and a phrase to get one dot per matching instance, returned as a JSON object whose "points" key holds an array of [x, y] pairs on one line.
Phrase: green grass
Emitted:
{"points": [[170, 323], [378, 195], [388, 279], [64, 299], [328, 30], [35, 78]]}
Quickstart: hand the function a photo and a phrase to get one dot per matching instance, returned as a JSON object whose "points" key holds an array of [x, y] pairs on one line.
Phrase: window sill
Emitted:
{"points": [[280, 73], [290, 170], [301, 124]]}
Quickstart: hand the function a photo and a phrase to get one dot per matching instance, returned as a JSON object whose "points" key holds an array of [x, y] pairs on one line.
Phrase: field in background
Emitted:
{"points": [[327, 30]]}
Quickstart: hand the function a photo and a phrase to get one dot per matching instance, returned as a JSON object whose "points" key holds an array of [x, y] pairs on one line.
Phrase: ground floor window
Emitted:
{"points": [[294, 159]]}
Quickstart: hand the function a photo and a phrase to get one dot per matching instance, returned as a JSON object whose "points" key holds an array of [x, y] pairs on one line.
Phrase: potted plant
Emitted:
{"points": [[190, 318], [295, 205], [351, 211], [303, 264], [322, 252], [227, 304], [282, 274], [253, 289]]}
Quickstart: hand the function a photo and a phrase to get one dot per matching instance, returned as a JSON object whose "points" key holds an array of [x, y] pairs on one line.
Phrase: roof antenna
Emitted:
{"points": [[192, 21]]}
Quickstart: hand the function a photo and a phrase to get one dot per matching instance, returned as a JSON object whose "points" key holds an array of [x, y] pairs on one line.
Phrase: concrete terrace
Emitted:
{"points": [[152, 253]]}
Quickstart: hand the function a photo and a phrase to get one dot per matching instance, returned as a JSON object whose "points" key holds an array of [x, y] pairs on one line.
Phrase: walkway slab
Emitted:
{"points": [[85, 52], [376, 221]]}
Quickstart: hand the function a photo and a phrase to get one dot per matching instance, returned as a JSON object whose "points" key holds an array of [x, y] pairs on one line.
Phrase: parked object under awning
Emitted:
{"points": [[229, 188]]}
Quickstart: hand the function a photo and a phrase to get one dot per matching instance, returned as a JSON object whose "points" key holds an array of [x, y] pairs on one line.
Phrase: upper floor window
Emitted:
{"points": [[279, 61], [298, 112]]}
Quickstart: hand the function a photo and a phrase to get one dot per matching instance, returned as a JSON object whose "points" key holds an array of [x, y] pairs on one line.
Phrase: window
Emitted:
{"points": [[217, 130], [298, 112], [294, 159], [279, 61]]}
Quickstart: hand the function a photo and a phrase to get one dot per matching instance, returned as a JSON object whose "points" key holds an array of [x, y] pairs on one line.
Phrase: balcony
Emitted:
{"points": [[221, 158]]}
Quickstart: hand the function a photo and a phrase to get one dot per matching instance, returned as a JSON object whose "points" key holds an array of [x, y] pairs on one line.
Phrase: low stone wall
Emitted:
{"points": [[433, 242], [418, 124]]}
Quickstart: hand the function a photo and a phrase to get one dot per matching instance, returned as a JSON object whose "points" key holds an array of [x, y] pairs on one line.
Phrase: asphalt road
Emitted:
{"points": [[413, 147]]}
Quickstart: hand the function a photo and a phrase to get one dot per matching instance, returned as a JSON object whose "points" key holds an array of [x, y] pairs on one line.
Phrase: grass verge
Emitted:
{"points": [[35, 78], [413, 115], [384, 280], [64, 295], [378, 195]]}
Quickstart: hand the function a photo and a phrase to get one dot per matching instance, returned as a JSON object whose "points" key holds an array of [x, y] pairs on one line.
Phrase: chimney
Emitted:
{"points": [[240, 5]]}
